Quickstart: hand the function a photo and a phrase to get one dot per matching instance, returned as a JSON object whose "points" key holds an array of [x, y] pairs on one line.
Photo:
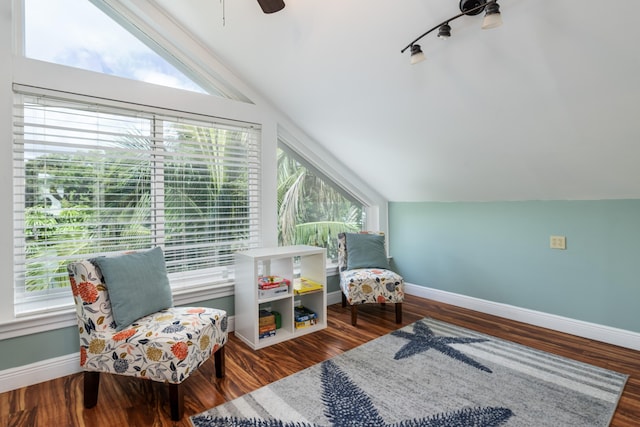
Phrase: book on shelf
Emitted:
{"points": [[302, 314], [266, 328], [302, 285], [268, 293], [306, 323], [270, 282], [270, 333], [266, 317]]}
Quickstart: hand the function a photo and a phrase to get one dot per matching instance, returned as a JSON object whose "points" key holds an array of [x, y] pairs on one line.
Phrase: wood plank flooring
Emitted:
{"points": [[129, 402]]}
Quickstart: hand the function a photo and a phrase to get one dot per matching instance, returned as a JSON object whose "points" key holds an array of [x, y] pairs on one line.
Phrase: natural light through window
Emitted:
{"points": [[93, 179], [77, 34], [312, 210]]}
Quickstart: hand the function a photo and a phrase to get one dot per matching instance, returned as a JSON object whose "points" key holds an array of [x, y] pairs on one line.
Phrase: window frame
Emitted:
{"points": [[28, 303], [327, 165], [78, 84], [317, 173]]}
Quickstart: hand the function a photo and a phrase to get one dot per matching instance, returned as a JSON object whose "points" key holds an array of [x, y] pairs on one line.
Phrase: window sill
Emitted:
{"points": [[66, 317]]}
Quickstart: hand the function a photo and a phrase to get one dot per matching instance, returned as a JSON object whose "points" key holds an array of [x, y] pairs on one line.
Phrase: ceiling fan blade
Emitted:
{"points": [[270, 6]]}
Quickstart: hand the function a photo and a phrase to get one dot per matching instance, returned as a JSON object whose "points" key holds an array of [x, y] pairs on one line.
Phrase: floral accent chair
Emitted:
{"points": [[365, 274], [166, 346]]}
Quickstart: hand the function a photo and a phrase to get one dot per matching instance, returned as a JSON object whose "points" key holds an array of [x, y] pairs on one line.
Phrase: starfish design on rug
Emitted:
{"points": [[423, 339], [348, 405]]}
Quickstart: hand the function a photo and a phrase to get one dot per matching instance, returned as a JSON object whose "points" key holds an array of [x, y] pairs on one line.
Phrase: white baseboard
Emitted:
{"points": [[607, 334], [594, 331], [334, 297], [45, 370]]}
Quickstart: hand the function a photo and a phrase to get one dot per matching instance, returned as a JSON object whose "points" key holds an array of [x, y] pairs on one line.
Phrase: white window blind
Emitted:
{"points": [[96, 178]]}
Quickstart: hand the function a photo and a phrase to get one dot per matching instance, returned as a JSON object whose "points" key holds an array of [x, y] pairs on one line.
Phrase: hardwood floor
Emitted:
{"points": [[125, 401]]}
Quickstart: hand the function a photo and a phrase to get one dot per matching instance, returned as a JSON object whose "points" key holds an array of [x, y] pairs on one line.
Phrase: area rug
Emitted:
{"points": [[431, 373]]}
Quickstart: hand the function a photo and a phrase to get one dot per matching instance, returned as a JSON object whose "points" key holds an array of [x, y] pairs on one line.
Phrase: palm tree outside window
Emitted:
{"points": [[312, 210]]}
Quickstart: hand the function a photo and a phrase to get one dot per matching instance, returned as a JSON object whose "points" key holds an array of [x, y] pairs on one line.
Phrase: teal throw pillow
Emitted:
{"points": [[366, 251], [137, 285]]}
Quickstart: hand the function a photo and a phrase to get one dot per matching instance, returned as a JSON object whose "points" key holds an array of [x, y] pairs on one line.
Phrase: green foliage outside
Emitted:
{"points": [[79, 204], [310, 210]]}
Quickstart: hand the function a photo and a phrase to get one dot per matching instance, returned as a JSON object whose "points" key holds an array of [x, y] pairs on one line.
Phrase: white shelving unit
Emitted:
{"points": [[289, 262]]}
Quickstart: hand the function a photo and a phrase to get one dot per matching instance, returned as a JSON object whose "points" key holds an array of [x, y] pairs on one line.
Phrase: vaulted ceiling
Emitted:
{"points": [[547, 106]]}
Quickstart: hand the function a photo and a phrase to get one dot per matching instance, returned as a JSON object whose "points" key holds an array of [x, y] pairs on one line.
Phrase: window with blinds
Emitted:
{"points": [[93, 179]]}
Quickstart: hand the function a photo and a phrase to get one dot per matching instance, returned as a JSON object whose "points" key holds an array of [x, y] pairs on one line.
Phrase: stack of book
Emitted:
{"points": [[303, 285], [271, 286], [266, 324], [303, 317]]}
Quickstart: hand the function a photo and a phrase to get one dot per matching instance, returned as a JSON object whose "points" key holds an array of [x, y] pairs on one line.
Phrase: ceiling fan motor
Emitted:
{"points": [[270, 6]]}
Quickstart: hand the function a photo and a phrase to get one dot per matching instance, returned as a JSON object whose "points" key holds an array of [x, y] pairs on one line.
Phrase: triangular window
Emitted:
{"points": [[78, 34]]}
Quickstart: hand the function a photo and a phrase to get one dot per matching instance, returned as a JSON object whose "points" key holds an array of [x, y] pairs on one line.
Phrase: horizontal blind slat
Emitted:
{"points": [[92, 179]]}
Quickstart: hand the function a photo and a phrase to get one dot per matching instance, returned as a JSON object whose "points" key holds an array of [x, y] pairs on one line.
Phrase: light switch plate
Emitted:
{"points": [[558, 242]]}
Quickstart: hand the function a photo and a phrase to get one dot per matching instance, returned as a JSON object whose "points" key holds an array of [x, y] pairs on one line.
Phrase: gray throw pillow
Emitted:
{"points": [[137, 285], [366, 251]]}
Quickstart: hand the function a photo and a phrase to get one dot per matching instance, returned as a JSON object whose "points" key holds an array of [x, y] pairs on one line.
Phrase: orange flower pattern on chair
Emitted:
{"points": [[165, 346]]}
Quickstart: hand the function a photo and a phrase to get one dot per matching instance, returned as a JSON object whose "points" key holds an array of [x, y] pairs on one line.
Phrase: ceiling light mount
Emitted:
{"points": [[472, 7], [492, 19]]}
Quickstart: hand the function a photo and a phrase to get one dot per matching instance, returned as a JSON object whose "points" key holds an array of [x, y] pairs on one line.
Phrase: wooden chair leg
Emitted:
{"points": [[354, 315], [218, 358], [91, 387], [398, 312], [344, 300], [176, 401]]}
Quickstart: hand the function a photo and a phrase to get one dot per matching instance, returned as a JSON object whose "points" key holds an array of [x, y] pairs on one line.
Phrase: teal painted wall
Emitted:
{"points": [[33, 348], [333, 283], [28, 349], [499, 251]]}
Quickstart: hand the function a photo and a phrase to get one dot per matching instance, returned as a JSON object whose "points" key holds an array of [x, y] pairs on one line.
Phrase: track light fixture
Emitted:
{"points": [[417, 55], [492, 16], [444, 32], [492, 19]]}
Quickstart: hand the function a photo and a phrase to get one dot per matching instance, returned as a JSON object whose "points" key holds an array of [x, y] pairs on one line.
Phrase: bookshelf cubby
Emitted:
{"points": [[289, 262]]}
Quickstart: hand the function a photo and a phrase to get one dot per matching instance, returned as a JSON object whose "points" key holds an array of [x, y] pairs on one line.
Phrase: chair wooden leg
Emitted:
{"points": [[218, 358], [398, 312], [344, 300], [176, 401], [91, 387], [354, 315]]}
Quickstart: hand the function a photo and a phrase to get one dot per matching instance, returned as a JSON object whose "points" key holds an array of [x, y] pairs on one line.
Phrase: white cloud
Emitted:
{"points": [[78, 34], [53, 26]]}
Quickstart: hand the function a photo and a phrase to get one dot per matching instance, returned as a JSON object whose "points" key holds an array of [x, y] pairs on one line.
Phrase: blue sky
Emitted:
{"points": [[78, 34]]}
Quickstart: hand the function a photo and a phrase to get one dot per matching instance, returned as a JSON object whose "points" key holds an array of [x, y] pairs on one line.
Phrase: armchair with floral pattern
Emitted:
{"points": [[165, 346], [370, 279]]}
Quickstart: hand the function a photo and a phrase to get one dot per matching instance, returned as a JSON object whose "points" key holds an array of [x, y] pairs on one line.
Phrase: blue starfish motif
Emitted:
{"points": [[347, 405], [423, 339]]}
